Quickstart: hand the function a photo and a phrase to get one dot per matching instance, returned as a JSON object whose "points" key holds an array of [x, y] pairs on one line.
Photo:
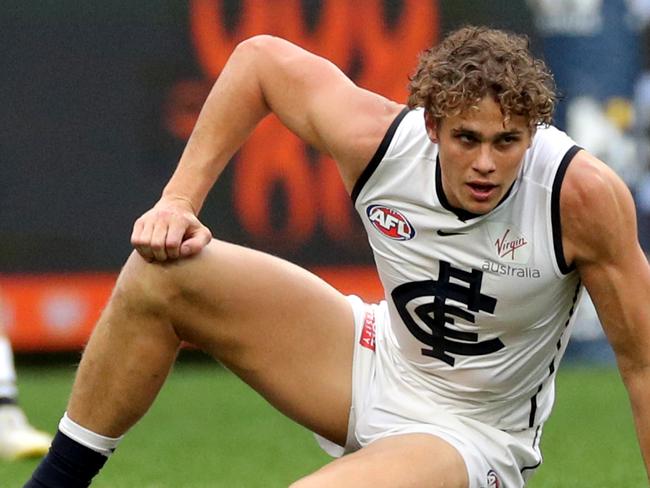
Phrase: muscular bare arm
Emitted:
{"points": [[600, 237], [264, 74]]}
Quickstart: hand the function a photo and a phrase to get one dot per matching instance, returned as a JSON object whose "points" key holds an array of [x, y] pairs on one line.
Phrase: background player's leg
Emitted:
{"points": [[281, 329], [401, 461], [18, 439]]}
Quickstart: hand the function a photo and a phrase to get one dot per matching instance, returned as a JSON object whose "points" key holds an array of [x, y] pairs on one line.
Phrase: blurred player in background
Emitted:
{"points": [[18, 439], [485, 223]]}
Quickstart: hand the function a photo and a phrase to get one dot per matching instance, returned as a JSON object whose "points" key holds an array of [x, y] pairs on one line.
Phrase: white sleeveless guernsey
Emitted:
{"points": [[480, 306]]}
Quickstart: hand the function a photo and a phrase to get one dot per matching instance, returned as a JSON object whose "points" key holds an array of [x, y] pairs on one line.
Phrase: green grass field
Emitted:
{"points": [[209, 430]]}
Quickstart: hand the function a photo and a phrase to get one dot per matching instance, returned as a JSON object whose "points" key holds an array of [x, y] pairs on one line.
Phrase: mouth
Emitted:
{"points": [[482, 191]]}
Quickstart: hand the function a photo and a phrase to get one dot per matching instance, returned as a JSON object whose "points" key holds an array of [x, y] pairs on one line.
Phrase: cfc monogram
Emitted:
{"points": [[428, 303]]}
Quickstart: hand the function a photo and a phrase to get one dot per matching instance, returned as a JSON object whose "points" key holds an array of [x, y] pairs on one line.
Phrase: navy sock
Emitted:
{"points": [[8, 401], [68, 464]]}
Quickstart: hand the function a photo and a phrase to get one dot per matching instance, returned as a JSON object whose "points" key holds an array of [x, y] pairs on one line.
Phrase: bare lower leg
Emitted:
{"points": [[128, 358]]}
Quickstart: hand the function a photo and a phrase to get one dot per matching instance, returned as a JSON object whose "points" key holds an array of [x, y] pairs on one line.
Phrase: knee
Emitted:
{"points": [[164, 288], [145, 287]]}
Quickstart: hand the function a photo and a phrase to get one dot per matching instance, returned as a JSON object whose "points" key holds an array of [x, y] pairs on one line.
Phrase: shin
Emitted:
{"points": [[130, 352]]}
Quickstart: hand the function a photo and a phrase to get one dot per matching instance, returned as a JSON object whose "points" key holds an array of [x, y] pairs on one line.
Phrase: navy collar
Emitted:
{"points": [[461, 213]]}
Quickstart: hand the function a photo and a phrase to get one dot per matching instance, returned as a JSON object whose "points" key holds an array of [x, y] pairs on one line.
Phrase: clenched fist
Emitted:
{"points": [[170, 230]]}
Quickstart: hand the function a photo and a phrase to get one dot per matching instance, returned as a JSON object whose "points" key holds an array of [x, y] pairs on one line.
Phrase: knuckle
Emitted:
{"points": [[156, 246], [144, 252], [173, 244]]}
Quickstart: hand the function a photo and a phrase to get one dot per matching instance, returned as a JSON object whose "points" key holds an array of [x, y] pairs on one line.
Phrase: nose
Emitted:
{"points": [[484, 162]]}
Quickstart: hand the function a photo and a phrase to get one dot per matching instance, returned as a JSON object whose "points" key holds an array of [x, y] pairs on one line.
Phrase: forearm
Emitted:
{"points": [[637, 382], [233, 108]]}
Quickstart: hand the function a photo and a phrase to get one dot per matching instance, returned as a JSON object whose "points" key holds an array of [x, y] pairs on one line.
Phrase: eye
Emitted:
{"points": [[466, 138], [507, 140]]}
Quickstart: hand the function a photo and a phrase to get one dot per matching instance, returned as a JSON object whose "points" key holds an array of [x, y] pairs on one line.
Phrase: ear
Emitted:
{"points": [[432, 127], [533, 131]]}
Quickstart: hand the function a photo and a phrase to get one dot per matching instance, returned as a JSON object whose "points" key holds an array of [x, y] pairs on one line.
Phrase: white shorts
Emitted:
{"points": [[383, 406]]}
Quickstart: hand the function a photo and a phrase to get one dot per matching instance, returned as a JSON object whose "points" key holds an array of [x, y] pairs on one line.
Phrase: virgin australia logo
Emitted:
{"points": [[512, 250], [510, 245], [506, 245]]}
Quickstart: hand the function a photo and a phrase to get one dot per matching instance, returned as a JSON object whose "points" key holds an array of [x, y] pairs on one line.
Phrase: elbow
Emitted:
{"points": [[256, 45], [258, 53], [632, 365]]}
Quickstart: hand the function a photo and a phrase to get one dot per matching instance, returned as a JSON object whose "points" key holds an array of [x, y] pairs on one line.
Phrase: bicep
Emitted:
{"points": [[599, 223], [319, 103], [620, 292]]}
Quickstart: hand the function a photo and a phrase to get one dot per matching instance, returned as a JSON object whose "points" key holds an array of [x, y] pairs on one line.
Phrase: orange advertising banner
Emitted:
{"points": [[57, 312], [52, 312]]}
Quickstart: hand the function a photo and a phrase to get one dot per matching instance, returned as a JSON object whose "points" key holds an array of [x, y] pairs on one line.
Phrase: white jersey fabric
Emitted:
{"points": [[480, 306]]}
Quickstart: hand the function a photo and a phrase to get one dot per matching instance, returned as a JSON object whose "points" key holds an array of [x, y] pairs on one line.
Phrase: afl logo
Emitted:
{"points": [[390, 223]]}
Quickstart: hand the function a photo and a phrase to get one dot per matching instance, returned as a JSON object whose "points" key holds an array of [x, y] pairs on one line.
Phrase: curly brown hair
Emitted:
{"points": [[473, 62]]}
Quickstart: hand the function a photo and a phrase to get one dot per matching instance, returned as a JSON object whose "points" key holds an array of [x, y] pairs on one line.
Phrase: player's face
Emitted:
{"points": [[480, 155]]}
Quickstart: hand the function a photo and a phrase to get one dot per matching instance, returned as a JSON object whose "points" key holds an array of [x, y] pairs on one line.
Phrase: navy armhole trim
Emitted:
{"points": [[379, 155], [555, 210]]}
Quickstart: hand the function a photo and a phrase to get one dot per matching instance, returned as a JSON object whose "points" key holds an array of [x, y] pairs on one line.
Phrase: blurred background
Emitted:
{"points": [[99, 98]]}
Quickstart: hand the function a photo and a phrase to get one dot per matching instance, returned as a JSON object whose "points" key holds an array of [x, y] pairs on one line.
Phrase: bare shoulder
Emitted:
{"points": [[597, 213], [319, 103], [375, 116]]}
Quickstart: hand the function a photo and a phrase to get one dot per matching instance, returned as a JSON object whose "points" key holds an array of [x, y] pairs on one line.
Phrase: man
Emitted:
{"points": [[484, 223], [18, 439]]}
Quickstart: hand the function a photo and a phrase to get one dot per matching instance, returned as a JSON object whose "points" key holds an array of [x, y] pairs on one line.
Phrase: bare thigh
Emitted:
{"points": [[401, 461], [280, 328]]}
